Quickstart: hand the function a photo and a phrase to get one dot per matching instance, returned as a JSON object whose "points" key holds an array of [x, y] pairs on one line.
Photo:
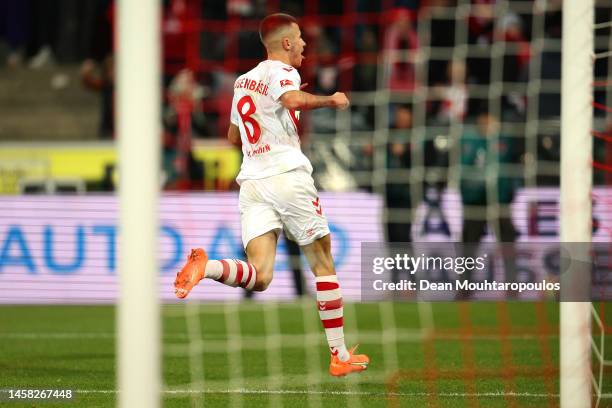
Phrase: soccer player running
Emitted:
{"points": [[276, 187]]}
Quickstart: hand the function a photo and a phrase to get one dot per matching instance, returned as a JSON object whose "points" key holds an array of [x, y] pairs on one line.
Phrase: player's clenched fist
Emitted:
{"points": [[340, 100]]}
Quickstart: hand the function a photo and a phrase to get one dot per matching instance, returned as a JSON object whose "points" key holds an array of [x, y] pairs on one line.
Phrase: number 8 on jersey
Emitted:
{"points": [[247, 119]]}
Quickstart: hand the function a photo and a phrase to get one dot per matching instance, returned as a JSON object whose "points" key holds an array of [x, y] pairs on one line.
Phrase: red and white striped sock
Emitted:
{"points": [[231, 272], [329, 303]]}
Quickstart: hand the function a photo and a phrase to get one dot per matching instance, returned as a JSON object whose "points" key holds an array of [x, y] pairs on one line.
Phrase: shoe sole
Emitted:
{"points": [[182, 292], [364, 365]]}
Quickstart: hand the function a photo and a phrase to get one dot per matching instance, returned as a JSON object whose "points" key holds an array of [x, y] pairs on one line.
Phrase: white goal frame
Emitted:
{"points": [[139, 140], [576, 184]]}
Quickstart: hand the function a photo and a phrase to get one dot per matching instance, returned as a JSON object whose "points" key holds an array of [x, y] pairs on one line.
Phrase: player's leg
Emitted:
{"points": [[505, 234], [329, 297], [261, 253], [260, 227], [230, 272], [474, 223], [331, 309], [295, 199], [254, 274]]}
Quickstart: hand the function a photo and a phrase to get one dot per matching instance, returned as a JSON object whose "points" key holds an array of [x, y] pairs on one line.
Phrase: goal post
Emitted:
{"points": [[138, 114], [576, 183]]}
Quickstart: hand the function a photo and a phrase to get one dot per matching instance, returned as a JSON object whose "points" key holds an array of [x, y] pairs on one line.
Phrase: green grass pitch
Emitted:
{"points": [[262, 354]]}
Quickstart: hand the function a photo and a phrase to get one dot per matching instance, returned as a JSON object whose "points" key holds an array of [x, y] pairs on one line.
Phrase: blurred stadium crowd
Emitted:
{"points": [[445, 70]]}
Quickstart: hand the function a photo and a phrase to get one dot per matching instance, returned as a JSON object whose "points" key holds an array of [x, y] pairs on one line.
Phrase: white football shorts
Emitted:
{"points": [[287, 201]]}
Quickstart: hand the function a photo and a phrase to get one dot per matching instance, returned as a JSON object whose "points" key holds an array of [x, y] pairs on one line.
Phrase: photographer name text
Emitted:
{"points": [[423, 285]]}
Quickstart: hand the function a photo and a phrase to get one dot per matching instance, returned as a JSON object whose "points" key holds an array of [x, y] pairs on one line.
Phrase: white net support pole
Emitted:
{"points": [[138, 99], [576, 182]]}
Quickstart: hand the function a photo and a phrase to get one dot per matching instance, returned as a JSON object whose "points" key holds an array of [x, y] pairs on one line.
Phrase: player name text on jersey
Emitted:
{"points": [[252, 85]]}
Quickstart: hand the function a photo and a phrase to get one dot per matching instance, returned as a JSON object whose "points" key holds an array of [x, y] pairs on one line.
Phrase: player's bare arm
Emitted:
{"points": [[306, 101], [233, 135]]}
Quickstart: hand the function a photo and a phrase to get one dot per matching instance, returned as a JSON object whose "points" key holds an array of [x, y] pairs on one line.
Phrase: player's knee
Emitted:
{"points": [[264, 278]]}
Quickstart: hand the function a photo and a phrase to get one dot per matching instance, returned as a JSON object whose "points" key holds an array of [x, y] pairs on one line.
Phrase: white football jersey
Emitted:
{"points": [[269, 132]]}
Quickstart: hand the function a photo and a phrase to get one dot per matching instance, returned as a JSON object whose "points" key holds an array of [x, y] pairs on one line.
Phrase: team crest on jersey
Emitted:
{"points": [[285, 82]]}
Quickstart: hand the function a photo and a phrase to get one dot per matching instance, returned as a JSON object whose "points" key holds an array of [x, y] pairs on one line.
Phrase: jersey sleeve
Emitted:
{"points": [[284, 79]]}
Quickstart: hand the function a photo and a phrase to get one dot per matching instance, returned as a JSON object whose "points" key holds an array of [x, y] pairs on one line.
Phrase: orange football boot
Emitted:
{"points": [[355, 364], [191, 274]]}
